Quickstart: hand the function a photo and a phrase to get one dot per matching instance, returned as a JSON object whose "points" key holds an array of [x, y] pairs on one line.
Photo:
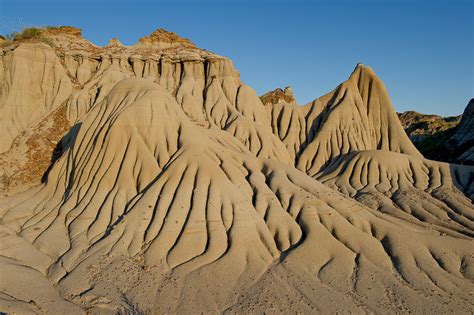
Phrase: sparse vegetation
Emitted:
{"points": [[131, 307], [430, 133], [26, 33], [162, 35], [63, 30], [38, 34], [433, 146]]}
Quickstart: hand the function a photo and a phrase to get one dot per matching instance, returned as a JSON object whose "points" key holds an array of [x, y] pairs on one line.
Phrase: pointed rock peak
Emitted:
{"points": [[368, 83], [163, 37], [278, 95], [469, 107], [362, 70]]}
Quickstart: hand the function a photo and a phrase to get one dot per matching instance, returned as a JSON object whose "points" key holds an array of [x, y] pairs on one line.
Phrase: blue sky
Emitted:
{"points": [[422, 50]]}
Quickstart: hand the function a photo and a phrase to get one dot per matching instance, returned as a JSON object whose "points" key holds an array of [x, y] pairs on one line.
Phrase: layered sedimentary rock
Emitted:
{"points": [[205, 85], [177, 190], [33, 84]]}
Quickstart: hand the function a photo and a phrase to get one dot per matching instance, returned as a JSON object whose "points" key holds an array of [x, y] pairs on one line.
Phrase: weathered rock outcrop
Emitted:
{"points": [[205, 85], [33, 84], [278, 95]]}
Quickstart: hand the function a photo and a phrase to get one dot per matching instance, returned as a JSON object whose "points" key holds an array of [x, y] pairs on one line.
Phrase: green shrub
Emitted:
{"points": [[26, 33]]}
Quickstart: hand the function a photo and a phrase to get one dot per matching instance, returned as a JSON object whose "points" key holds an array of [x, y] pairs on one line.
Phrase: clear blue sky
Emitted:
{"points": [[422, 50]]}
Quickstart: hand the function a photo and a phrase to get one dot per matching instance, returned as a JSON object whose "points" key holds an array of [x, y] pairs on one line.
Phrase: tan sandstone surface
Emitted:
{"points": [[150, 178]]}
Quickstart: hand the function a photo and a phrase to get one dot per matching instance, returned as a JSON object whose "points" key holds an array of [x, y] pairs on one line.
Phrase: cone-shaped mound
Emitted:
{"points": [[352, 140], [356, 116]]}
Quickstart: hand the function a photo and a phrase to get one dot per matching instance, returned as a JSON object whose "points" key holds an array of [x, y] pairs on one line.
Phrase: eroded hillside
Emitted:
{"points": [[170, 187]]}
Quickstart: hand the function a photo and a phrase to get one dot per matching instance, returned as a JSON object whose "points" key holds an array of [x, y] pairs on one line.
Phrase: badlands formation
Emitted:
{"points": [[447, 139], [151, 179]]}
